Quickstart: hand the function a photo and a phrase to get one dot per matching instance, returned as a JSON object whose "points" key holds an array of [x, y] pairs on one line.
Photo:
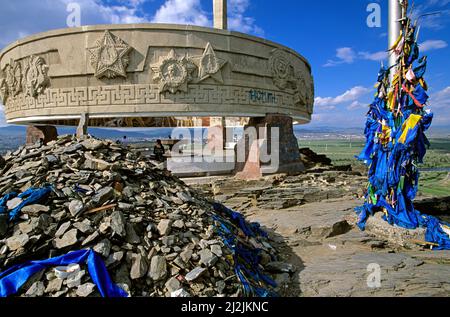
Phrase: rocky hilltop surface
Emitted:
{"points": [[311, 219]]}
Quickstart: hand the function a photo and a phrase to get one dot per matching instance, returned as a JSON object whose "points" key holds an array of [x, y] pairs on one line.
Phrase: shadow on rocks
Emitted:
{"points": [[286, 269]]}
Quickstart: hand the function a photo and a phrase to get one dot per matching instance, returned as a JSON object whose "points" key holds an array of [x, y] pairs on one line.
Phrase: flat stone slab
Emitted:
{"points": [[377, 226]]}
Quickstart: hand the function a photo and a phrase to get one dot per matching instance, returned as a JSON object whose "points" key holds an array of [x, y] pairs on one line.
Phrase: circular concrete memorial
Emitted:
{"points": [[151, 75]]}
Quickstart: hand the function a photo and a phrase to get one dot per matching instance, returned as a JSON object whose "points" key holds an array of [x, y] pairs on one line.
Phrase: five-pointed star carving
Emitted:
{"points": [[110, 56], [209, 65]]}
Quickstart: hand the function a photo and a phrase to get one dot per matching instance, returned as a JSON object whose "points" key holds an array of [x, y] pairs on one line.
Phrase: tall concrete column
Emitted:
{"points": [[220, 14], [395, 26]]}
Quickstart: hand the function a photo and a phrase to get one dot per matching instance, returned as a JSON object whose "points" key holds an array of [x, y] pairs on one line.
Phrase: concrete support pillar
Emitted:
{"points": [[45, 134], [275, 138], [217, 133], [83, 126], [250, 167], [220, 14]]}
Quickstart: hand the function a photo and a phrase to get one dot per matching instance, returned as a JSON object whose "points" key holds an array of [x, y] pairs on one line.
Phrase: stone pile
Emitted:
{"points": [[281, 191], [311, 159], [154, 233]]}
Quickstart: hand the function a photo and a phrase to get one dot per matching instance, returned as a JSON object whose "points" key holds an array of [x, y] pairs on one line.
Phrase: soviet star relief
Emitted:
{"points": [[110, 56], [173, 73], [209, 65]]}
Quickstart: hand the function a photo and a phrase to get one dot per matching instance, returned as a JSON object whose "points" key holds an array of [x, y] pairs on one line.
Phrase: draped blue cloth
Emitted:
{"points": [[30, 197], [393, 176], [15, 277], [246, 259]]}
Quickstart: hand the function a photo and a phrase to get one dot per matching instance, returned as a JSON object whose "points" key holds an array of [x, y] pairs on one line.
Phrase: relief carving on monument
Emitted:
{"points": [[282, 70], [11, 84], [3, 90], [110, 56], [286, 77], [173, 73], [36, 78], [209, 65]]}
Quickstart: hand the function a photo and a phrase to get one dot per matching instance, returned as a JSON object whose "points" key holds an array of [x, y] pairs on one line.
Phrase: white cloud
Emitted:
{"points": [[21, 18], [436, 21], [440, 105], [237, 20], [432, 45], [191, 12], [357, 105], [350, 95], [441, 99], [182, 12], [376, 57], [347, 55]]}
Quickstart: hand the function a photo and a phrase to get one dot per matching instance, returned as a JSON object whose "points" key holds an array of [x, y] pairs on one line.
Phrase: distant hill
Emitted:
{"points": [[20, 131], [163, 133]]}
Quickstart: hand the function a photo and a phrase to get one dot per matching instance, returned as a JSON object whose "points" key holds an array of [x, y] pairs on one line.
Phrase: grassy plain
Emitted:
{"points": [[433, 182]]}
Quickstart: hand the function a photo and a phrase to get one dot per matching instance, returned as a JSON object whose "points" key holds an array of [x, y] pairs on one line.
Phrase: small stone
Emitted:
{"points": [[73, 148], [185, 197], [280, 267], [194, 274], [75, 280], [51, 159], [168, 240], [173, 285], [76, 207], [125, 207], [61, 293], [158, 268], [85, 290], [91, 238], [220, 286], [114, 258], [18, 241], [180, 293], [164, 227], [92, 144], [178, 262], [139, 267], [69, 239], [217, 250], [4, 249], [84, 227], [13, 203], [54, 285], [93, 163], [103, 248], [102, 196], [132, 237], [118, 223], [35, 210], [207, 258], [282, 279], [62, 229], [36, 290], [179, 224]]}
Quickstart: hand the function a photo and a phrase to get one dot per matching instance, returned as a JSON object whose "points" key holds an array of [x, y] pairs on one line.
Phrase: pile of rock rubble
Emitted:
{"points": [[154, 233]]}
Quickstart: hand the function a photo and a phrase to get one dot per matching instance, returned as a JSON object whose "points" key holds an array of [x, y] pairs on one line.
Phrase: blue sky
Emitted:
{"points": [[333, 35]]}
